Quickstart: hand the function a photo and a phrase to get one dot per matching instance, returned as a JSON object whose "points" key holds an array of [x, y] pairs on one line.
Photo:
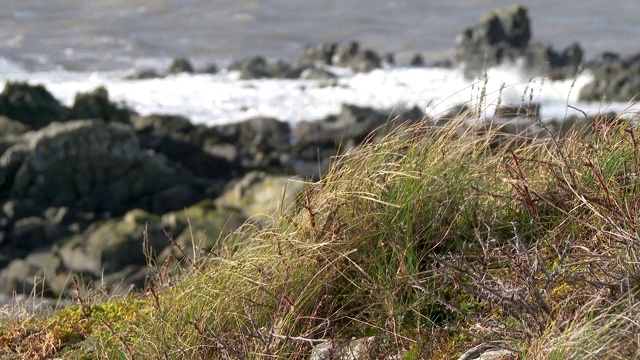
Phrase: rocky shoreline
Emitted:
{"points": [[82, 186]]}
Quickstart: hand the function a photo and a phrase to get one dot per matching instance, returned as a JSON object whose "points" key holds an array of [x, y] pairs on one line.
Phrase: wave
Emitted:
{"points": [[223, 98]]}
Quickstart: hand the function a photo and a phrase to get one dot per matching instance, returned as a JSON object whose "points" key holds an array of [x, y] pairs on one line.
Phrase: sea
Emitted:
{"points": [[73, 46]]}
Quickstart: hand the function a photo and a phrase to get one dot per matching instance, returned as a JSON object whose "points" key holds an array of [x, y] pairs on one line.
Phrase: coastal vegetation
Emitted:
{"points": [[422, 244]]}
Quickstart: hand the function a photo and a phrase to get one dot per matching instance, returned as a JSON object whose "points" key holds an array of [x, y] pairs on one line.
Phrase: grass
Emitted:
{"points": [[432, 241]]}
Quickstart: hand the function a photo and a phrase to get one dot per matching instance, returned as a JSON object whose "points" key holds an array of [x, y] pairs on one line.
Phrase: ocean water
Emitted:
{"points": [[73, 45]]}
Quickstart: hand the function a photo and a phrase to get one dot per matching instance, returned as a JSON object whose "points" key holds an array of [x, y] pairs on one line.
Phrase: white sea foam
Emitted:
{"points": [[223, 98]]}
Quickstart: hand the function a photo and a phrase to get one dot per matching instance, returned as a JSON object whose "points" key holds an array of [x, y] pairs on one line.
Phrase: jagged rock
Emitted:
{"points": [[257, 68], [96, 105], [615, 79], [32, 105], [503, 36], [346, 54]]}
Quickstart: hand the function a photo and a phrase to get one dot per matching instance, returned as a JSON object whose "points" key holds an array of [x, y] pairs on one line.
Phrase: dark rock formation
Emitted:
{"points": [[347, 54], [96, 105], [88, 164], [615, 79], [32, 105], [503, 36], [180, 65]]}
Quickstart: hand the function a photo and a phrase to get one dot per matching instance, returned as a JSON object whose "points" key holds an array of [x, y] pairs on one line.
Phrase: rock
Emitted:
{"points": [[15, 209], [503, 36], [34, 275], [544, 60], [320, 140], [259, 194], [89, 165], [346, 54], [12, 127], [258, 68], [180, 65], [388, 59], [111, 246], [210, 69], [144, 74], [251, 68], [29, 233], [417, 61], [96, 105], [357, 349], [615, 79], [261, 141], [202, 225], [198, 148], [488, 352], [32, 105], [316, 55], [17, 277], [316, 74], [510, 112]]}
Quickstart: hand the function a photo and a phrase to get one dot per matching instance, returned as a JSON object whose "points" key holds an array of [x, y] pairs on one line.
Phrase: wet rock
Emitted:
{"points": [[180, 65], [210, 69], [259, 194], [544, 60], [503, 36], [316, 54], [316, 74], [32, 105], [615, 79], [257, 67], [417, 60], [96, 105], [346, 54], [251, 68], [144, 74], [388, 59]]}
